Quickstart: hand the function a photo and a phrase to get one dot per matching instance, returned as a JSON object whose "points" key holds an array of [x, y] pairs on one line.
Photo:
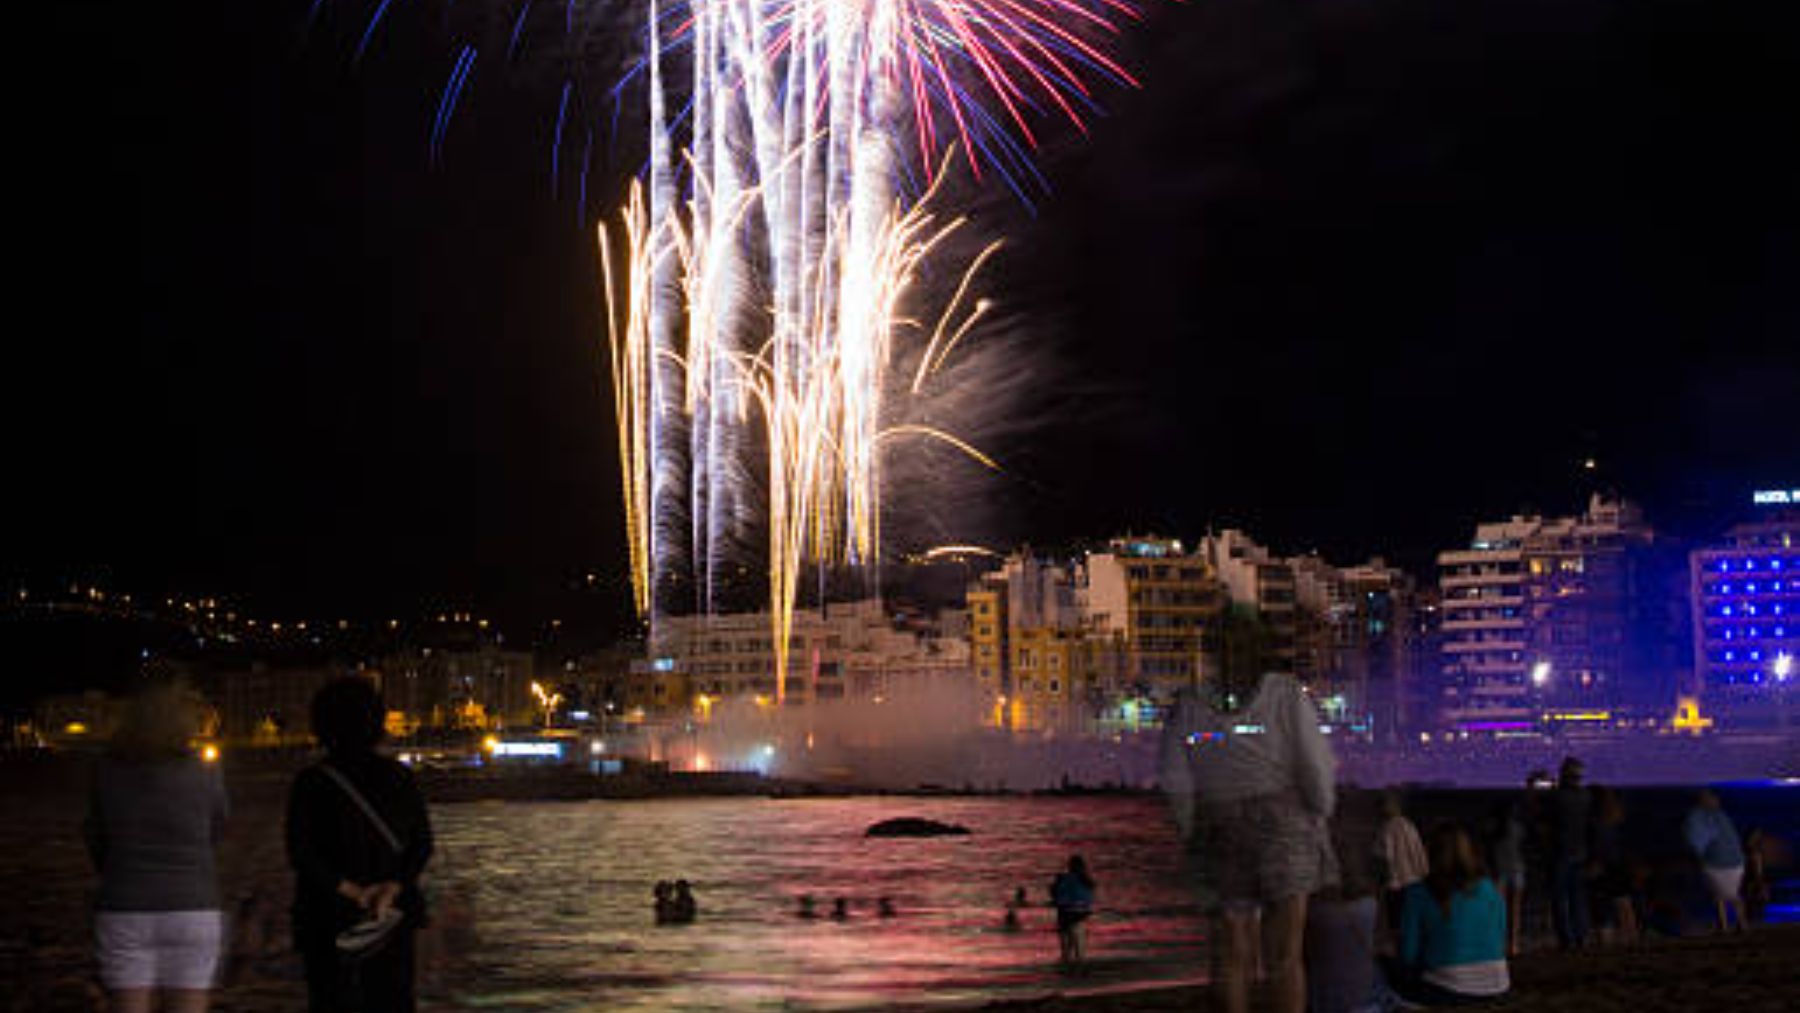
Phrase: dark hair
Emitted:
{"points": [[1455, 863], [158, 722], [1608, 808], [348, 715], [1353, 840], [1078, 868]]}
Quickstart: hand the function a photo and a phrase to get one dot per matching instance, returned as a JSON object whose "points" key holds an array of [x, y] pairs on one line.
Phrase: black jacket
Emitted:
{"points": [[330, 839]]}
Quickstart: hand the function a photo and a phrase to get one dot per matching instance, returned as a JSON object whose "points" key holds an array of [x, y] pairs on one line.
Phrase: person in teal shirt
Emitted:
{"points": [[1452, 928]]}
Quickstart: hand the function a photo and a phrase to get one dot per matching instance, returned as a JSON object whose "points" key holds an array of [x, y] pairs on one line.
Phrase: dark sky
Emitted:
{"points": [[1352, 274]]}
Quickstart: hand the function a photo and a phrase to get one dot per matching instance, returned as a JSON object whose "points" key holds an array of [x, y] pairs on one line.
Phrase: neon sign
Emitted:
{"points": [[1775, 497]]}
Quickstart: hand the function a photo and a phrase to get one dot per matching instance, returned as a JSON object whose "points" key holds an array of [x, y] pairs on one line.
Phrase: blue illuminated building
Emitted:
{"points": [[1746, 612]]}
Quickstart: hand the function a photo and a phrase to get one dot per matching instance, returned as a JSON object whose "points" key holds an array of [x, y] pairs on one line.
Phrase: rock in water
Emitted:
{"points": [[914, 826]]}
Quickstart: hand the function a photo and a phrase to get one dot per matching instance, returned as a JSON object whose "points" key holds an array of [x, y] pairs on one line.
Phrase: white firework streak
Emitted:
{"points": [[794, 263]]}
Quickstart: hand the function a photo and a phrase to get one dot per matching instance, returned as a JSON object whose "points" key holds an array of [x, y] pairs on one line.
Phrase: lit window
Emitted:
{"points": [[1724, 588]]}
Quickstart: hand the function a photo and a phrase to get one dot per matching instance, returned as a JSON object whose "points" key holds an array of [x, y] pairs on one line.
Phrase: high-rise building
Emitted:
{"points": [[1158, 604], [1254, 577], [1057, 646], [1355, 642], [1554, 621], [1744, 592]]}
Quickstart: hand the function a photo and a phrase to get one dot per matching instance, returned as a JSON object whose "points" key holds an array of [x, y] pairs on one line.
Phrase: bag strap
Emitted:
{"points": [[380, 824]]}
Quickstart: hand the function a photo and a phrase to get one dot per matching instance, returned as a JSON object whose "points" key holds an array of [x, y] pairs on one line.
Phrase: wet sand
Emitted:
{"points": [[1749, 973]]}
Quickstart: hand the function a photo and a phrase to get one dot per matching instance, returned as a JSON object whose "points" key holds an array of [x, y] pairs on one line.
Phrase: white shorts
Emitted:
{"points": [[159, 949], [1723, 883]]}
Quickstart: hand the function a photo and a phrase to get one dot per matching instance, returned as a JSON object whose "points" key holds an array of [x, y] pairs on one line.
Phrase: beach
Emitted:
{"points": [[541, 906], [1750, 973]]}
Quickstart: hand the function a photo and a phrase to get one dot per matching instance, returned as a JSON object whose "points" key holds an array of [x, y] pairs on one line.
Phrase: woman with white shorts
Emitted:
{"points": [[1714, 841], [153, 822]]}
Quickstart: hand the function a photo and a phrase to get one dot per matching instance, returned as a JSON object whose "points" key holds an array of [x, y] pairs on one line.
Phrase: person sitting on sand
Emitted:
{"points": [[664, 894], [807, 909], [1452, 928], [1072, 893], [840, 909], [1341, 974], [685, 908], [884, 908], [1714, 840]]}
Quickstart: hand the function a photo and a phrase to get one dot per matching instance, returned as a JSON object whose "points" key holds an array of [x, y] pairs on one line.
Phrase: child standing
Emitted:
{"points": [[1072, 893]]}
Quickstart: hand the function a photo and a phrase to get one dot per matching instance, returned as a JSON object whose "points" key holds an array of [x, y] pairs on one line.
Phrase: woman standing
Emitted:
{"points": [[1714, 841], [358, 838], [1251, 785], [153, 823]]}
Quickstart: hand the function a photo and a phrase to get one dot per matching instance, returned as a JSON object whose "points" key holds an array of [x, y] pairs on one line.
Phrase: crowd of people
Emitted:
{"points": [[1338, 914], [1327, 911]]}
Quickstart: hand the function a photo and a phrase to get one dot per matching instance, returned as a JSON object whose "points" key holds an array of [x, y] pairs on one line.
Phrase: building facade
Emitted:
{"points": [[1744, 593], [847, 650], [1355, 642], [1548, 622]]}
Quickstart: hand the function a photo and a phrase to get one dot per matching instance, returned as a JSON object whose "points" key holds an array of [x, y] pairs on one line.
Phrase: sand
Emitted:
{"points": [[1750, 973]]}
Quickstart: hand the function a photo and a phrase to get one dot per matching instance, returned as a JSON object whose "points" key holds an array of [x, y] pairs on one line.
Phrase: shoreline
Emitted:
{"points": [[1744, 973]]}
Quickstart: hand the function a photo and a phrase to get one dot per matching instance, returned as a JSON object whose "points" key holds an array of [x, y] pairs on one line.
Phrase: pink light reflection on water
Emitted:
{"points": [[562, 918]]}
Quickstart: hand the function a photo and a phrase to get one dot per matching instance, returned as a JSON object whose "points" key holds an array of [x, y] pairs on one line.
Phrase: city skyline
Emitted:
{"points": [[353, 378]]}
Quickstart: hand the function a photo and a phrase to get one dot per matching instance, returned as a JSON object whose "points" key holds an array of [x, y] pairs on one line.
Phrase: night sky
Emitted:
{"points": [[1350, 274]]}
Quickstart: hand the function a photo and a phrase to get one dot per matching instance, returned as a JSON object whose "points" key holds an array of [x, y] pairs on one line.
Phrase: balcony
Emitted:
{"points": [[1486, 601], [1484, 646], [1474, 623], [1451, 580], [1475, 557]]}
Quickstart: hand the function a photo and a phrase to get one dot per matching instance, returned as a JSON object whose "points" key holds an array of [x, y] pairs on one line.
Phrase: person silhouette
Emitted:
{"points": [[686, 909], [665, 901]]}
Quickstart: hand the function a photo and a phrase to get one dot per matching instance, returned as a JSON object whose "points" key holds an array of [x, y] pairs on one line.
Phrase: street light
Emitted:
{"points": [[1784, 667], [1540, 674]]}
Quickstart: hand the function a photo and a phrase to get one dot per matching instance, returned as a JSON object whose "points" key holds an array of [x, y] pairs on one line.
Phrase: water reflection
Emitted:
{"points": [[561, 898]]}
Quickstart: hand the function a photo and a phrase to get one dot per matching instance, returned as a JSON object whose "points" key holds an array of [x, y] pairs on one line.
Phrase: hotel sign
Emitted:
{"points": [[1776, 497]]}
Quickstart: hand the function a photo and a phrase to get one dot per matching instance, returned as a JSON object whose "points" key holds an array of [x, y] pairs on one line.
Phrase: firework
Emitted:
{"points": [[760, 275]]}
